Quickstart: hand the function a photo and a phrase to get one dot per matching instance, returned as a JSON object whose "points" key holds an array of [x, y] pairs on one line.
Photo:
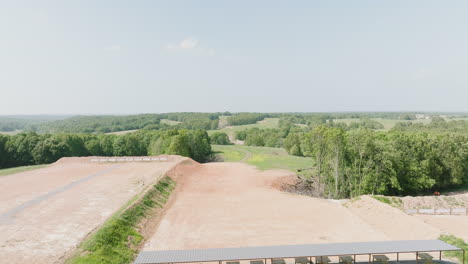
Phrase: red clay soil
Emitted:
{"points": [[235, 205], [45, 213], [220, 205]]}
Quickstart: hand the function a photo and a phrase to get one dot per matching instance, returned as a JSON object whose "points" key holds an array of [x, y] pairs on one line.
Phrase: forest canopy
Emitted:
{"points": [[32, 148]]}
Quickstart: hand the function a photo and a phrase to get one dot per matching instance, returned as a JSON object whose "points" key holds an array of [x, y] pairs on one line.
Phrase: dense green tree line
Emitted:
{"points": [[12, 123], [219, 138], [437, 124], [101, 124], [111, 123], [364, 161], [271, 137], [246, 118], [106, 124], [32, 148], [274, 137], [314, 119]]}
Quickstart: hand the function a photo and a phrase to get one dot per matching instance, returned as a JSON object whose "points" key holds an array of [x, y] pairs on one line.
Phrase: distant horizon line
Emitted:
{"points": [[234, 112]]}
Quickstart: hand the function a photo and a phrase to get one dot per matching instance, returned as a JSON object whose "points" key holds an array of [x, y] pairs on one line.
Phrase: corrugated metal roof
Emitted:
{"points": [[291, 251]]}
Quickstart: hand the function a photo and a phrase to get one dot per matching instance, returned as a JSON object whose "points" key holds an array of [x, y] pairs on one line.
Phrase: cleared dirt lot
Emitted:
{"points": [[45, 213], [235, 205], [452, 224]]}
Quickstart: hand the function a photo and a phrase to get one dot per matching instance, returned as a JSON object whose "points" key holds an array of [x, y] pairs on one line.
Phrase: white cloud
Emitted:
{"points": [[189, 43], [112, 48]]}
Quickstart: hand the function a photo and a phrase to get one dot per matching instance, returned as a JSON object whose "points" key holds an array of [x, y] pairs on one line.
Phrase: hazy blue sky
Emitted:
{"points": [[95, 57]]}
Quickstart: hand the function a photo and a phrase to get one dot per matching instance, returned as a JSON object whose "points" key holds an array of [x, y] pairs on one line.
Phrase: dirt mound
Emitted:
{"points": [[70, 160], [183, 168], [393, 222], [443, 201]]}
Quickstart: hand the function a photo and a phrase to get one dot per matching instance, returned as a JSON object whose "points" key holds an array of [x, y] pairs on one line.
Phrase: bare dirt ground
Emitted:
{"points": [[235, 205], [45, 213], [451, 224]]}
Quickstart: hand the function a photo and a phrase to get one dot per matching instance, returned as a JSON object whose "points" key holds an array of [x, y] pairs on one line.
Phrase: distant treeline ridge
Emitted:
{"points": [[32, 148]]}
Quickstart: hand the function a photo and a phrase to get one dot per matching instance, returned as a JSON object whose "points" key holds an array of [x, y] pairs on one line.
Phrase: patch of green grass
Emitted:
{"points": [[118, 239], [169, 122], [266, 123], [392, 201], [455, 241], [9, 171], [222, 121], [264, 158], [229, 153], [11, 133], [123, 132]]}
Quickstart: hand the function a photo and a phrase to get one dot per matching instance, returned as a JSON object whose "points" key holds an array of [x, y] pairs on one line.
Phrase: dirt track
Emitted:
{"points": [[45, 213], [235, 205]]}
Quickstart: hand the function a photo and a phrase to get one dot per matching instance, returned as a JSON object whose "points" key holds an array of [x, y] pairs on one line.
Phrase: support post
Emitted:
{"points": [[440, 255], [398, 256], [354, 259], [417, 258], [369, 258]]}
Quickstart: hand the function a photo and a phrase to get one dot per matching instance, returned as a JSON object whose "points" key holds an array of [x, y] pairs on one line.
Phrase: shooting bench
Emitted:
{"points": [[278, 261], [346, 259], [380, 258], [425, 257], [322, 260]]}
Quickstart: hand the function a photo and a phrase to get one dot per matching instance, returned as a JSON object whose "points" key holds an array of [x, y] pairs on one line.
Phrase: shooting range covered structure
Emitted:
{"points": [[293, 251]]}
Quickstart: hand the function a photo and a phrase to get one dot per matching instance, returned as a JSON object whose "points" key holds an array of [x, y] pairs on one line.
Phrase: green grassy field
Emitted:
{"points": [[231, 130], [263, 158], [4, 172], [222, 122], [387, 123], [10, 133], [123, 132]]}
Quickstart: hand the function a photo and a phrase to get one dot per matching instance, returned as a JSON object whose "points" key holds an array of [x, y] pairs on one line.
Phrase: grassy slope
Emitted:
{"points": [[458, 242], [4, 172], [266, 123], [117, 240], [262, 157]]}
